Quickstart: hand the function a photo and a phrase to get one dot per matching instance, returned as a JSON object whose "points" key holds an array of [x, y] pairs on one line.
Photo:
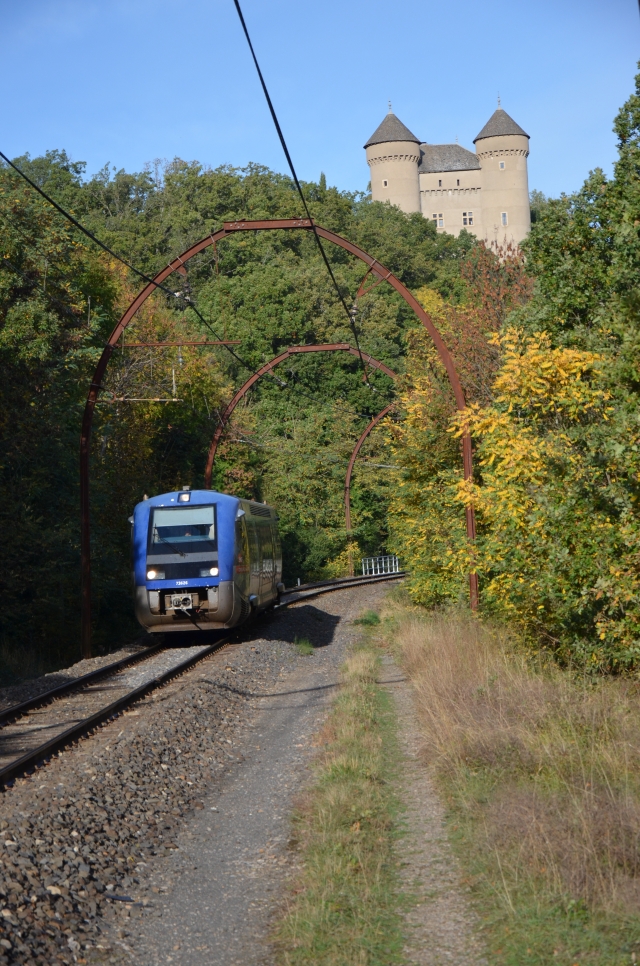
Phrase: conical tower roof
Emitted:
{"points": [[499, 124], [391, 129]]}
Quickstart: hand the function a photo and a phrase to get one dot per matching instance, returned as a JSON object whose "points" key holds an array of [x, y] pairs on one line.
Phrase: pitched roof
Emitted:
{"points": [[499, 124], [391, 129], [446, 157]]}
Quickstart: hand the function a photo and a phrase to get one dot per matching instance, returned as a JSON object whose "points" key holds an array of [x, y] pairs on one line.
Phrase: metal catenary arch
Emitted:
{"points": [[354, 455], [268, 367], [379, 274]]}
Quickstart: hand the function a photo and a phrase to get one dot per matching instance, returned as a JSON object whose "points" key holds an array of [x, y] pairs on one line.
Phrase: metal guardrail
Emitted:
{"points": [[372, 566]]}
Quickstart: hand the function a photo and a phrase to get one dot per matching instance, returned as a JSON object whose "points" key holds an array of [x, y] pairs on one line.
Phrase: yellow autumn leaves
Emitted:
{"points": [[527, 471]]}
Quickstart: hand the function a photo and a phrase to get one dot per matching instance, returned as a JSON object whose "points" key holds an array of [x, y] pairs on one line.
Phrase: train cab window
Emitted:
{"points": [[184, 530]]}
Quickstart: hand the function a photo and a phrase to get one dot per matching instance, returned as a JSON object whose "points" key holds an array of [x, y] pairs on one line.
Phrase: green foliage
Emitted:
{"points": [[557, 434], [290, 441], [538, 202]]}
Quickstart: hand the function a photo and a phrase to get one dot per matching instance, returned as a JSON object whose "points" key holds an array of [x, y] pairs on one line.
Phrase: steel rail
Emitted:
{"points": [[38, 756], [344, 584], [335, 583], [17, 710]]}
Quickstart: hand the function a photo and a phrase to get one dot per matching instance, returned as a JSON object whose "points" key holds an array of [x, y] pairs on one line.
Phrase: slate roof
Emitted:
{"points": [[446, 157], [498, 124], [391, 129]]}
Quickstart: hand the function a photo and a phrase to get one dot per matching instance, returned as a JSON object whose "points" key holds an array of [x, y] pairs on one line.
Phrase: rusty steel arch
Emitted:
{"points": [[268, 367], [347, 482], [378, 272], [356, 449]]}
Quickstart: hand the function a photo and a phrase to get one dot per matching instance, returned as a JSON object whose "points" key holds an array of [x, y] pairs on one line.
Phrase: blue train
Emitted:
{"points": [[203, 560]]}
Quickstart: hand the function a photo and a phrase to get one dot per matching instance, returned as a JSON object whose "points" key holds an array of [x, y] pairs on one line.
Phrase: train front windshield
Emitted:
{"points": [[184, 529]]}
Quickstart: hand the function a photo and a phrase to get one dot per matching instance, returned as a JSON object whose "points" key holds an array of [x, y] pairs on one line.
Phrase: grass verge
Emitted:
{"points": [[344, 908], [540, 772]]}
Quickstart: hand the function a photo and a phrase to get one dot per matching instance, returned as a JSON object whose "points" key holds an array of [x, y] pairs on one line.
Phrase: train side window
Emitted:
{"points": [[255, 546], [266, 546], [277, 548]]}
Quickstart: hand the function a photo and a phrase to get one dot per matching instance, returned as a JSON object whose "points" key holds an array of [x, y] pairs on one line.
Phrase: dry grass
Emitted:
{"points": [[544, 767]]}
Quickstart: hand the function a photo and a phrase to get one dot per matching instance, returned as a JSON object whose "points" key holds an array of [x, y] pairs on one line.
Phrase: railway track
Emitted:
{"points": [[69, 712]]}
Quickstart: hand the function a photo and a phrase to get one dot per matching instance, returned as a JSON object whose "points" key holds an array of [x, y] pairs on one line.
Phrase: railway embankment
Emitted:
{"points": [[418, 790], [168, 827]]}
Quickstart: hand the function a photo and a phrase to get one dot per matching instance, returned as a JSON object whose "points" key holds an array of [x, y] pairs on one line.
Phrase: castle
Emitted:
{"points": [[487, 193]]}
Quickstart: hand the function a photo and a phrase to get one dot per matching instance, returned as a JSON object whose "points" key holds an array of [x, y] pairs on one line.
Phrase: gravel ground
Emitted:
{"points": [[97, 848]]}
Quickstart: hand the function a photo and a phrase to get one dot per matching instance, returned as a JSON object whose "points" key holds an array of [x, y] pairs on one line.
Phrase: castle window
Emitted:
{"points": [[505, 220], [385, 183], [440, 182], [438, 220], [458, 182], [501, 165], [467, 218]]}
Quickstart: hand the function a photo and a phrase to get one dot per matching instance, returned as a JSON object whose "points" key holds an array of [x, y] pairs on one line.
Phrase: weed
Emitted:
{"points": [[304, 645], [368, 619]]}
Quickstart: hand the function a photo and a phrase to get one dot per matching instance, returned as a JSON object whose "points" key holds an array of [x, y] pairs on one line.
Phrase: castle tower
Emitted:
{"points": [[503, 148], [393, 155]]}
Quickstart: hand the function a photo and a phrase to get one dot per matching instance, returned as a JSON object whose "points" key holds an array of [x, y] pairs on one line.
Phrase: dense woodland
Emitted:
{"points": [[545, 341]]}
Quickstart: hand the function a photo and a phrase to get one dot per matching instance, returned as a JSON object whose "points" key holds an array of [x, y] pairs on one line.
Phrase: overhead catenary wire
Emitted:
{"points": [[274, 117]]}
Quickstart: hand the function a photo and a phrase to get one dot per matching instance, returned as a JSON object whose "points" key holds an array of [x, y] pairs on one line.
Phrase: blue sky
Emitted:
{"points": [[128, 82]]}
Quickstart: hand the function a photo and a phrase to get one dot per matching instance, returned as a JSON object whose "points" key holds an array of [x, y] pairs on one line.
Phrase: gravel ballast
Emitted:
{"points": [[85, 841], [28, 732], [17, 693]]}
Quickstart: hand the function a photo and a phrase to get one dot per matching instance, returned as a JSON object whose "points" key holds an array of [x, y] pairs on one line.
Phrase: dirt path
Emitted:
{"points": [[442, 928]]}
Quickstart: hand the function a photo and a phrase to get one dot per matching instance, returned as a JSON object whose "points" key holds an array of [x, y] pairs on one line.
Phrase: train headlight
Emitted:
{"points": [[155, 574], [213, 572]]}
